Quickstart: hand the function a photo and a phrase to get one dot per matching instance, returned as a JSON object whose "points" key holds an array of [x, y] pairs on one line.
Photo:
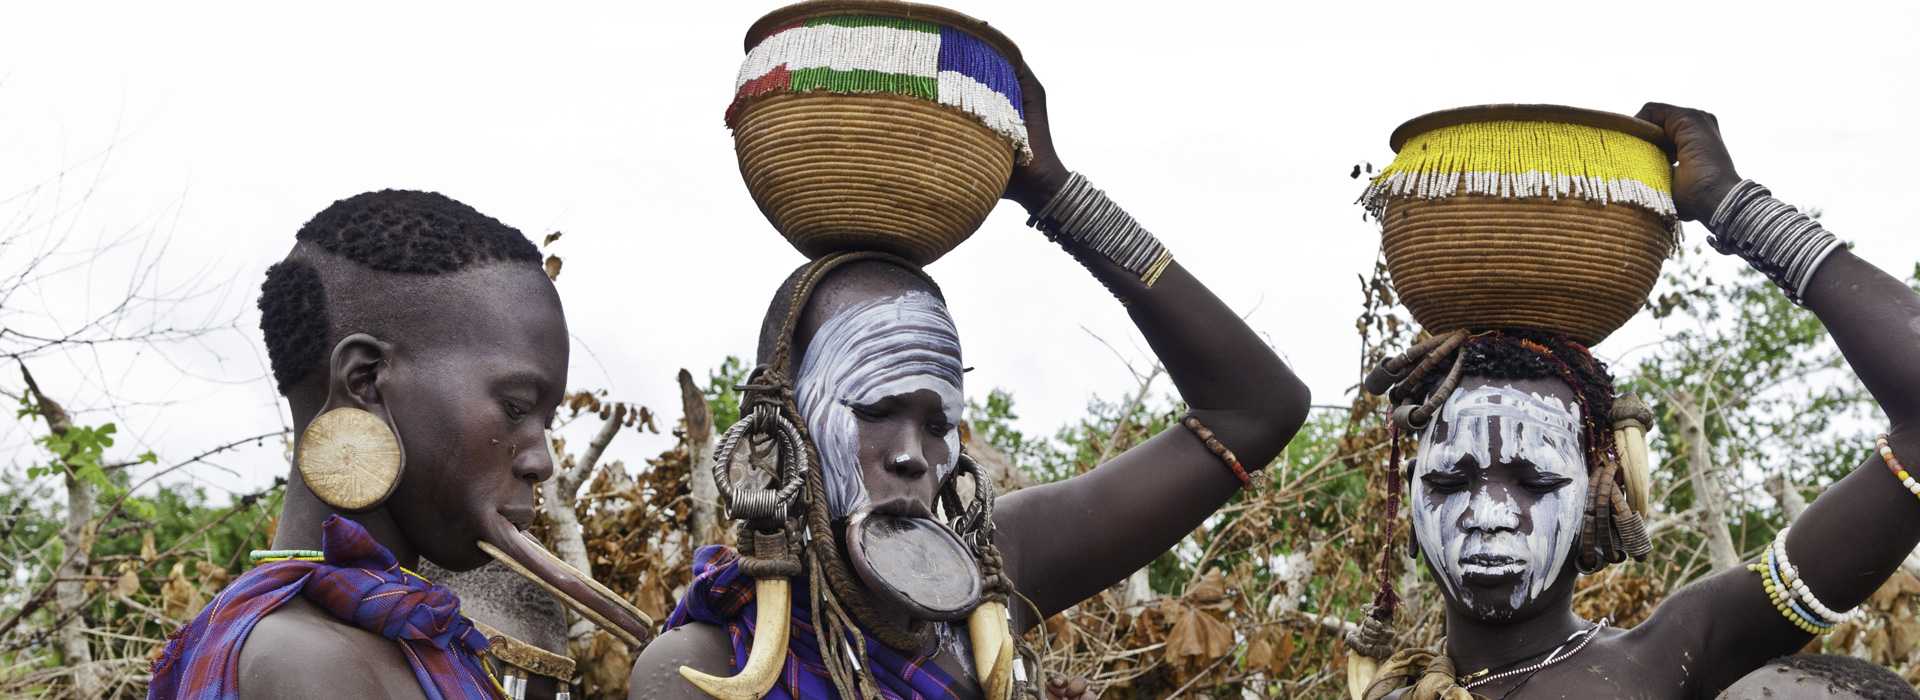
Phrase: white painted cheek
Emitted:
{"points": [[1542, 559], [1436, 527]]}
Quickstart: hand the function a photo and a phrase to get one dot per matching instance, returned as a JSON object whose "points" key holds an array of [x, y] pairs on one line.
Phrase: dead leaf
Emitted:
{"points": [[1259, 654], [1198, 638], [553, 267], [147, 550], [551, 237], [128, 583]]}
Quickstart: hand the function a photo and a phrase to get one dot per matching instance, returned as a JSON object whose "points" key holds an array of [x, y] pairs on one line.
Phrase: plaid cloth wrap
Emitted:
{"points": [[360, 583], [721, 595]]}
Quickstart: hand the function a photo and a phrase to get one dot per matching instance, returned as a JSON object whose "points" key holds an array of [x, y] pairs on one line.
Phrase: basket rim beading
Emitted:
{"points": [[814, 9], [1599, 119]]}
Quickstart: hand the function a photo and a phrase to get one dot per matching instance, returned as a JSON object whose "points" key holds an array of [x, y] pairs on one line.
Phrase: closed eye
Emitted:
{"points": [[939, 428], [1545, 484], [1443, 482], [869, 412], [514, 410]]}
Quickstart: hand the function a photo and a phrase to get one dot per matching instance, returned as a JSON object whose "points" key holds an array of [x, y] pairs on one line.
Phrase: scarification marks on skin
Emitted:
{"points": [[1487, 528], [868, 351]]}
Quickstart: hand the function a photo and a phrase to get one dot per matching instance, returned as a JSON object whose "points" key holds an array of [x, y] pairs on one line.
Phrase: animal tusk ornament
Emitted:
{"points": [[992, 649], [1361, 670], [1631, 420], [771, 626]]}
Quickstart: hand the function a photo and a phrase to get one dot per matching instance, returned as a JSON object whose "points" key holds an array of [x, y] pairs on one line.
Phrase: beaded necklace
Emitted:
{"points": [[1481, 677]]}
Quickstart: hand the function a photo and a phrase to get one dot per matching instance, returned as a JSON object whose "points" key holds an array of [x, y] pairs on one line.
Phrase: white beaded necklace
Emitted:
{"points": [[1480, 677]]}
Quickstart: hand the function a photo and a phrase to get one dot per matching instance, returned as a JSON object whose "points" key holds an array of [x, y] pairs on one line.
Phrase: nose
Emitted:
{"points": [[1490, 510], [536, 465], [907, 464]]}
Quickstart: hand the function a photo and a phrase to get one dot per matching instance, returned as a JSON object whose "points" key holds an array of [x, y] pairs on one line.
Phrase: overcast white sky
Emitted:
{"points": [[1227, 128]]}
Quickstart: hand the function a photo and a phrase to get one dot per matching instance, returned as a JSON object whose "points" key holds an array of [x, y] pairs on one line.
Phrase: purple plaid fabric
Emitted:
{"points": [[721, 595], [359, 583]]}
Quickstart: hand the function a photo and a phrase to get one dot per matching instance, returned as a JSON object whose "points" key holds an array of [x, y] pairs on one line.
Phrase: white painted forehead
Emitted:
{"points": [[1505, 402]]}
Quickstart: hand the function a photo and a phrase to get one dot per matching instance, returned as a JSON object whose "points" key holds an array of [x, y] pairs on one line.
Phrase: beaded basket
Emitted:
{"points": [[876, 125], [1525, 216]]}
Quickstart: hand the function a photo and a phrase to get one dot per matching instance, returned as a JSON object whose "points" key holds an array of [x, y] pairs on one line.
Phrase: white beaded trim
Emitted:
{"points": [[1798, 586]]}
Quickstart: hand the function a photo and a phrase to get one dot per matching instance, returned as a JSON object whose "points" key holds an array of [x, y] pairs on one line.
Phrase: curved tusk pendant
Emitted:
{"points": [[992, 649], [771, 625], [1361, 670]]}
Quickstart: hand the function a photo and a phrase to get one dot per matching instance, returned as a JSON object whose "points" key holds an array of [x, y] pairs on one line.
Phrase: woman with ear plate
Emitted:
{"points": [[422, 351]]}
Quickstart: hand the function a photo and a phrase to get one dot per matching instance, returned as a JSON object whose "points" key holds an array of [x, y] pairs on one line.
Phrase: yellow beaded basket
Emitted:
{"points": [[1525, 216], [881, 146]]}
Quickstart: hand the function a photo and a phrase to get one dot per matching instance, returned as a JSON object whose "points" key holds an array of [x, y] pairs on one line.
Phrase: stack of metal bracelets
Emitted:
{"points": [[1082, 214], [1790, 594], [1775, 238]]}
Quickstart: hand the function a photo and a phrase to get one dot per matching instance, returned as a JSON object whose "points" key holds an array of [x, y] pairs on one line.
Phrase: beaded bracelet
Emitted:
{"points": [[1777, 553], [1781, 601], [1893, 464], [1219, 450]]}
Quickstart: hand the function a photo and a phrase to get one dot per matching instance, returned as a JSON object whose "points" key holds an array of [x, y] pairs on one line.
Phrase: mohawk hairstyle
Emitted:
{"points": [[392, 231]]}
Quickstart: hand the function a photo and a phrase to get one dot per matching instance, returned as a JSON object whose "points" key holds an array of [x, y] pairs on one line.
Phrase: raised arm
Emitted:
{"points": [[1068, 540], [1854, 536]]}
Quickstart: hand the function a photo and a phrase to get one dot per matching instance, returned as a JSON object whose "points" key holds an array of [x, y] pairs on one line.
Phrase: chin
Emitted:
{"points": [[1492, 612], [457, 557]]}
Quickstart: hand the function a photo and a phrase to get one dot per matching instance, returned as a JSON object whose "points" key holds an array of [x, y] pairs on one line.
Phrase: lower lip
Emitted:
{"points": [[1491, 572]]}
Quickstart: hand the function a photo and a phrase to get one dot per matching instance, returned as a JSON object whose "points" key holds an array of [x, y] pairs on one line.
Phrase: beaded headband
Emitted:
{"points": [[1525, 159], [861, 54]]}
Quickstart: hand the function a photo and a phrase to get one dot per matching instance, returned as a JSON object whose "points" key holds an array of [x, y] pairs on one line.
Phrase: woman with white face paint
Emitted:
{"points": [[1516, 485], [860, 356]]}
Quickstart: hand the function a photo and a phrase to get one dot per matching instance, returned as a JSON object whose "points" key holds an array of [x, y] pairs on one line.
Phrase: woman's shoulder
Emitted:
{"points": [[300, 651], [701, 646]]}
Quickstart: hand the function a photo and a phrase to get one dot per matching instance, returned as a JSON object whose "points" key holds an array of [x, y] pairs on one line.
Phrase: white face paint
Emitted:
{"points": [[1499, 527], [867, 352]]}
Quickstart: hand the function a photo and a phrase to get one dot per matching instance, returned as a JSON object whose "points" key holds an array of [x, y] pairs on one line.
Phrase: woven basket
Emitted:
{"points": [[870, 172], [877, 171], [1565, 265]]}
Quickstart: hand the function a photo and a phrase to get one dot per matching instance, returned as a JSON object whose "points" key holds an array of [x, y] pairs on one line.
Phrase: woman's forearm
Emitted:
{"points": [[1875, 319]]}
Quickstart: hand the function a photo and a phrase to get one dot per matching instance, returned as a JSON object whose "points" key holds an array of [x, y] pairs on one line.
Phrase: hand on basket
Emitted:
{"points": [[1035, 183], [1705, 172]]}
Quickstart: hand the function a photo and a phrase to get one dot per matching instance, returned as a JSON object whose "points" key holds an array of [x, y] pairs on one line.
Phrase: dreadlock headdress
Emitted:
{"points": [[786, 530]]}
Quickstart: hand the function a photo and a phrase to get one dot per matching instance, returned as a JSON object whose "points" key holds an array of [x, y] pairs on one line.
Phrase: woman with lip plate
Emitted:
{"points": [[422, 351], [1515, 489], [846, 586]]}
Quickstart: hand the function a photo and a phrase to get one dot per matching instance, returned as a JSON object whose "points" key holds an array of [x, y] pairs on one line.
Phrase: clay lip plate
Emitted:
{"points": [[915, 562], [1631, 126]]}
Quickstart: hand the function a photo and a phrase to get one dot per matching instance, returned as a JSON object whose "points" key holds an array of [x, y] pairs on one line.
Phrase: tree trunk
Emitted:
{"points": [[557, 496], [1706, 488], [706, 524], [76, 537], [71, 592]]}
